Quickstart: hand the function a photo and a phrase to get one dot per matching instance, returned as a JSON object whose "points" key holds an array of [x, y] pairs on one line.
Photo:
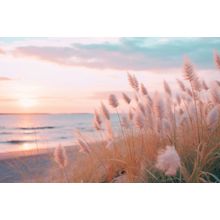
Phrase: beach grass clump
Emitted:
{"points": [[170, 136]]}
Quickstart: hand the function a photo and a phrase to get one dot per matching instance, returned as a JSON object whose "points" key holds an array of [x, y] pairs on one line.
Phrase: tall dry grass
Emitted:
{"points": [[163, 137]]}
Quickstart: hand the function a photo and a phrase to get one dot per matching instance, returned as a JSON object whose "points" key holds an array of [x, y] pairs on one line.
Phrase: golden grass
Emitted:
{"points": [[188, 121]]}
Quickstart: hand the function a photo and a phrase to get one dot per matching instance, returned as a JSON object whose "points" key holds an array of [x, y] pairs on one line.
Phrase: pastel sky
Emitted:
{"points": [[68, 75]]}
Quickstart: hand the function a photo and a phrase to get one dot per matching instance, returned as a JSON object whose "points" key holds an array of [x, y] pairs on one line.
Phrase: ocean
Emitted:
{"points": [[32, 131]]}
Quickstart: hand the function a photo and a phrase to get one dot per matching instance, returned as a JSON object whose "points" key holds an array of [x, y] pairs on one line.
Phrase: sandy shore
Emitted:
{"points": [[29, 166]]}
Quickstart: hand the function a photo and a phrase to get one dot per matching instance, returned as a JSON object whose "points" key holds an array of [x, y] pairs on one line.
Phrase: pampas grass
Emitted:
{"points": [[160, 138]]}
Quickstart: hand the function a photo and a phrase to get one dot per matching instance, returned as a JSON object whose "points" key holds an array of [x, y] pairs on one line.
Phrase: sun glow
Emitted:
{"points": [[27, 102], [26, 146]]}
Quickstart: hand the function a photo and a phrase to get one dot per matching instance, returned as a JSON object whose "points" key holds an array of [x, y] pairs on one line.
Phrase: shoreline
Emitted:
{"points": [[32, 152], [31, 165]]}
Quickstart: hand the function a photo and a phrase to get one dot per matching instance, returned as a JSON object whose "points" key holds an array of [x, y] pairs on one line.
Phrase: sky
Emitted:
{"points": [[72, 75]]}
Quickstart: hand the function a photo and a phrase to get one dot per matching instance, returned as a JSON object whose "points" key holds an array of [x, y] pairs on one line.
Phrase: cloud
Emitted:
{"points": [[128, 53], [2, 51], [3, 78], [47, 98]]}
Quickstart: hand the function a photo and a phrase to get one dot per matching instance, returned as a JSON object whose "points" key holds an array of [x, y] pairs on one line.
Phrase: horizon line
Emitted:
{"points": [[42, 113]]}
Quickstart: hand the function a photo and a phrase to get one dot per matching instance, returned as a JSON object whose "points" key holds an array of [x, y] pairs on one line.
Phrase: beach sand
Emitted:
{"points": [[31, 166]]}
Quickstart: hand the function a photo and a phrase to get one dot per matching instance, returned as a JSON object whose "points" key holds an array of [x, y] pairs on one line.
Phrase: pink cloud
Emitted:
{"points": [[3, 78], [94, 58], [2, 51]]}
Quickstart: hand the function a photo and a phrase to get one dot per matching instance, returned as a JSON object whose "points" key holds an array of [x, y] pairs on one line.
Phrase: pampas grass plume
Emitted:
{"points": [[113, 101], [84, 147], [105, 111], [133, 82], [97, 121], [126, 98], [60, 156], [143, 89], [214, 93], [213, 118], [158, 105], [181, 85], [130, 115], [188, 70], [139, 120], [124, 122], [167, 88], [204, 85], [168, 161], [196, 84], [217, 59], [141, 108]]}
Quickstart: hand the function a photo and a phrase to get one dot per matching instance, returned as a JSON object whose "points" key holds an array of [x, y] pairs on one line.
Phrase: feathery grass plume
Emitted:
{"points": [[141, 108], [143, 89], [217, 59], [167, 88], [139, 120], [97, 117], [181, 85], [136, 98], [178, 99], [113, 101], [60, 156], [109, 131], [196, 84], [130, 115], [183, 119], [158, 105], [189, 92], [188, 70], [168, 161], [126, 98], [133, 82], [149, 100], [105, 111], [166, 125], [181, 111], [96, 125], [97, 121], [124, 122], [218, 82], [204, 85], [84, 147], [213, 118], [214, 93], [192, 109]]}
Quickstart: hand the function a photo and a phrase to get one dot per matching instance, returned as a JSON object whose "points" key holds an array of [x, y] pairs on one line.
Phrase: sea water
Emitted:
{"points": [[30, 131]]}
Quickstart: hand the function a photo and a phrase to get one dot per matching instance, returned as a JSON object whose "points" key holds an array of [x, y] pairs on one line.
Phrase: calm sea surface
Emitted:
{"points": [[23, 132]]}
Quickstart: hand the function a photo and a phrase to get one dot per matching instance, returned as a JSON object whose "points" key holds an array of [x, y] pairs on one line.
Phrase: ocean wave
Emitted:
{"points": [[36, 128], [17, 142], [63, 137], [4, 133], [85, 129]]}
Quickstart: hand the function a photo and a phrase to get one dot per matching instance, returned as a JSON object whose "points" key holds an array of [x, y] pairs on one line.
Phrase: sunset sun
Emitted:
{"points": [[27, 102]]}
